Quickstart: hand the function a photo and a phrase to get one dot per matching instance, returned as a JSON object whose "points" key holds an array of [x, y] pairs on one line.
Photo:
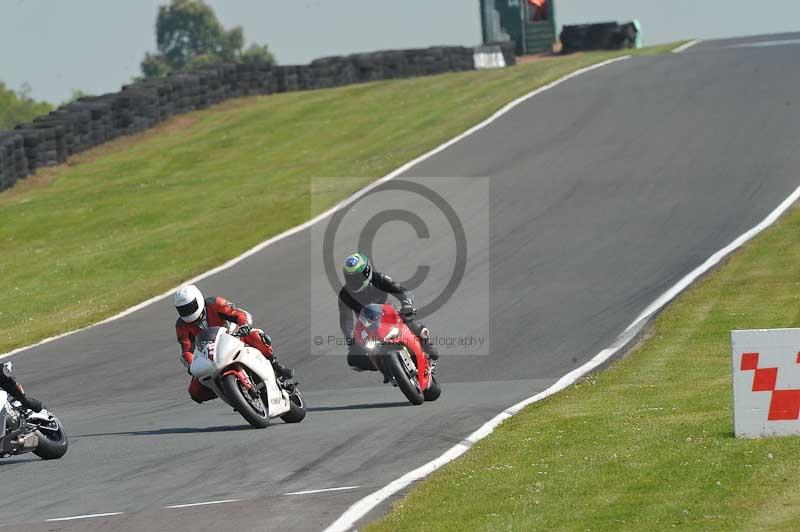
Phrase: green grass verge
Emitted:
{"points": [[120, 224], [647, 444]]}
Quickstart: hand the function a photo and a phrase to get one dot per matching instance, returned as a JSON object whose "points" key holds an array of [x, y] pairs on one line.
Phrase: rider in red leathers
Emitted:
{"points": [[197, 314]]}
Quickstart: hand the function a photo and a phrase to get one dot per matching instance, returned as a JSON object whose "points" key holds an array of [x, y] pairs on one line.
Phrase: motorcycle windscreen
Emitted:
{"points": [[205, 348], [370, 317], [206, 336]]}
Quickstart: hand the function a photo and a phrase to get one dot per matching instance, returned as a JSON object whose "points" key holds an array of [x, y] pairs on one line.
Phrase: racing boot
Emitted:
{"points": [[26, 400], [282, 371], [32, 404], [427, 345], [15, 389]]}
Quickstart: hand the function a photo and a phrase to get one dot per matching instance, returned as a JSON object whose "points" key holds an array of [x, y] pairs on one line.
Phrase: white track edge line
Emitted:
{"points": [[193, 504], [362, 507], [685, 46], [350, 199], [324, 490], [86, 516]]}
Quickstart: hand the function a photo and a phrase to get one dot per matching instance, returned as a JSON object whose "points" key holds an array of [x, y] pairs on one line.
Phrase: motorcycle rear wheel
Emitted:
{"points": [[52, 444], [233, 391], [407, 384]]}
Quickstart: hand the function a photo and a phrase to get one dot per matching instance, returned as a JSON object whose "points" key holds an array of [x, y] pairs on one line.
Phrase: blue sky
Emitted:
{"points": [[96, 45]]}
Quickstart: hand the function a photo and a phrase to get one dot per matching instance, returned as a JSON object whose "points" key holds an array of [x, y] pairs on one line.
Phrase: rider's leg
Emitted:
{"points": [[15, 389], [261, 341], [424, 337], [200, 393]]}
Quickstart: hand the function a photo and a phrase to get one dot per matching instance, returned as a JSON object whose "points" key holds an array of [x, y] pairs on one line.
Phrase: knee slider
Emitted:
{"points": [[265, 338]]}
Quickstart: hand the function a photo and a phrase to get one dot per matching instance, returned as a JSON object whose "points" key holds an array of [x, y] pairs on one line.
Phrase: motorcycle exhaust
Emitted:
{"points": [[28, 442]]}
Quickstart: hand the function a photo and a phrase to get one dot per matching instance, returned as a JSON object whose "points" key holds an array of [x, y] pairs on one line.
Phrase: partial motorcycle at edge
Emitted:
{"points": [[24, 431]]}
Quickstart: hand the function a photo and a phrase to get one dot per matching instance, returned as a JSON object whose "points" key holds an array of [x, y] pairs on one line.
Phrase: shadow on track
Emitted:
{"points": [[176, 430], [11, 462], [356, 407]]}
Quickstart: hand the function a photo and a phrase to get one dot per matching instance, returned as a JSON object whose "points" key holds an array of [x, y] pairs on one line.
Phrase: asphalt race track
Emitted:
{"points": [[604, 192]]}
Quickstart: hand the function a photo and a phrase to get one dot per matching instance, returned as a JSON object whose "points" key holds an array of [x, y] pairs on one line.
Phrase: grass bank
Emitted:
{"points": [[115, 225], [647, 444]]}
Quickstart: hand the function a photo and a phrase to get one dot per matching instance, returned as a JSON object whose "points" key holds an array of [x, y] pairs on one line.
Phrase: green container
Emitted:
{"points": [[504, 20]]}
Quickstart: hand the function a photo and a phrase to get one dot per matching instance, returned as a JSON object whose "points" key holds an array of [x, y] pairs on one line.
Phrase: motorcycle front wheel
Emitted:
{"points": [[434, 390], [53, 441], [297, 411], [407, 383], [252, 409]]}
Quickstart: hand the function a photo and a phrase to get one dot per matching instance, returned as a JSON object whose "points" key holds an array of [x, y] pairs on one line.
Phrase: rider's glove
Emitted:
{"points": [[407, 309], [32, 404], [243, 331]]}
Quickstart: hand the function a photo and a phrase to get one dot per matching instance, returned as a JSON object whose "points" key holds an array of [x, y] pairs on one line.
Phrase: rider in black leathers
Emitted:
{"points": [[364, 286], [15, 390]]}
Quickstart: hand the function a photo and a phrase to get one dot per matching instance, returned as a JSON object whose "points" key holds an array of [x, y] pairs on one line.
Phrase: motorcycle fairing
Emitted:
{"points": [[375, 322], [217, 352], [3, 406]]}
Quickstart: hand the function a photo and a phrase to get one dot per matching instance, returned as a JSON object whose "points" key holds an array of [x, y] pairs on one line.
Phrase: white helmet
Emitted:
{"points": [[189, 303]]}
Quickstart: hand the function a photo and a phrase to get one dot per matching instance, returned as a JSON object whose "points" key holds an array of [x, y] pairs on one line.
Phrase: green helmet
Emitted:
{"points": [[357, 272]]}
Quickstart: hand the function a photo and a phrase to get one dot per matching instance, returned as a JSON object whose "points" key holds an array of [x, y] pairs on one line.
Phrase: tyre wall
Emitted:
{"points": [[603, 36], [93, 120]]}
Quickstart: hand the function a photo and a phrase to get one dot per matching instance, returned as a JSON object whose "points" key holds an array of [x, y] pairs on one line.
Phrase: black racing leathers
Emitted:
{"points": [[15, 390], [377, 292]]}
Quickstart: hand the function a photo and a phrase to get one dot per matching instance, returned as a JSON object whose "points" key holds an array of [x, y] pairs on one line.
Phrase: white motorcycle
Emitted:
{"points": [[243, 378], [23, 431]]}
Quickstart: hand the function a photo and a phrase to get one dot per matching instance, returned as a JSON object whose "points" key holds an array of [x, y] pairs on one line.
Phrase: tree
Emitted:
{"points": [[257, 54], [188, 34], [19, 107], [154, 66], [77, 94]]}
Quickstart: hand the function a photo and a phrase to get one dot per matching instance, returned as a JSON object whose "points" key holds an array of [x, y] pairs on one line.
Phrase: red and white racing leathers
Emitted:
{"points": [[218, 313]]}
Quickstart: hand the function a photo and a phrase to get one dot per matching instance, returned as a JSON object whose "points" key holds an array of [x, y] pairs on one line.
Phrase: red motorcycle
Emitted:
{"points": [[397, 352]]}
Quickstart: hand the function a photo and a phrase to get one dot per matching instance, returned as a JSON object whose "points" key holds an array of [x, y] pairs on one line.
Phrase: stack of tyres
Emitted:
{"points": [[8, 173], [369, 67], [30, 141], [333, 72], [395, 64], [509, 54], [245, 80], [462, 59], [99, 120], [288, 78], [267, 83], [602, 36], [574, 38], [13, 159], [20, 160], [228, 80], [47, 153], [626, 37]]}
